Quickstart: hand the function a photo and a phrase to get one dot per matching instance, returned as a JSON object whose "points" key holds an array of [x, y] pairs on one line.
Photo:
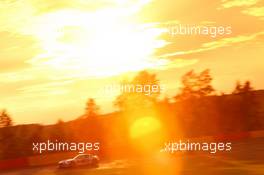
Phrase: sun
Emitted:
{"points": [[144, 126], [102, 43]]}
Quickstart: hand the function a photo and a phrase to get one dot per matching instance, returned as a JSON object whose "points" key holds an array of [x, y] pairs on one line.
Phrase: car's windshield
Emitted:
{"points": [[81, 156], [78, 157]]}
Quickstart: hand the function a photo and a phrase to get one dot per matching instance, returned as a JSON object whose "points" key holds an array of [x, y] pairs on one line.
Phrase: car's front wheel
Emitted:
{"points": [[72, 164]]}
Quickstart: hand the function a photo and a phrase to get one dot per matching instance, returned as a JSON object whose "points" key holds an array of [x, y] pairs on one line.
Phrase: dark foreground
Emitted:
{"points": [[246, 158]]}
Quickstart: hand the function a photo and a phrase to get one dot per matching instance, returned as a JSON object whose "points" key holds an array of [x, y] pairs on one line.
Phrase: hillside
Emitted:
{"points": [[212, 115]]}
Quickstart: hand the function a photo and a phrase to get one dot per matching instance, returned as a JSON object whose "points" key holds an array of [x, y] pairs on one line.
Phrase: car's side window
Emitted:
{"points": [[80, 157]]}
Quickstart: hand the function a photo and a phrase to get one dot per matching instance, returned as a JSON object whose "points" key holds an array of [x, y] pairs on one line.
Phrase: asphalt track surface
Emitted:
{"points": [[246, 158]]}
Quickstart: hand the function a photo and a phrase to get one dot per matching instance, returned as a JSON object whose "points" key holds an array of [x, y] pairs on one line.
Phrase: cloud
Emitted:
{"points": [[177, 63], [16, 16], [15, 49], [225, 42], [14, 77], [46, 87], [238, 3], [255, 11]]}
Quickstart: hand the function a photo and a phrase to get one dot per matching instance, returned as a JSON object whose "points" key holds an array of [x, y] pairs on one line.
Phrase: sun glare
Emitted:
{"points": [[101, 43], [144, 126]]}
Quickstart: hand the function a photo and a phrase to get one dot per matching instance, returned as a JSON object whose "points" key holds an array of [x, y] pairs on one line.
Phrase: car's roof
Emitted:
{"points": [[84, 155]]}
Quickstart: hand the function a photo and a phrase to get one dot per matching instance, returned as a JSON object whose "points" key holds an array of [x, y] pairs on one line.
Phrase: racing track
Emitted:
{"points": [[246, 158]]}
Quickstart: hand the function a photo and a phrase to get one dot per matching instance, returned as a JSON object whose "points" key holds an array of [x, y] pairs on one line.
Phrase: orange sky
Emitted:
{"points": [[56, 54]]}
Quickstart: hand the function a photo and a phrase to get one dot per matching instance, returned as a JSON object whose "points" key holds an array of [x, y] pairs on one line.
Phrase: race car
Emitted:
{"points": [[80, 160]]}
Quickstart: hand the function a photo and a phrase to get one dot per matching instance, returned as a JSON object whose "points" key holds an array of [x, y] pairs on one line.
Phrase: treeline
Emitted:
{"points": [[214, 115], [197, 110]]}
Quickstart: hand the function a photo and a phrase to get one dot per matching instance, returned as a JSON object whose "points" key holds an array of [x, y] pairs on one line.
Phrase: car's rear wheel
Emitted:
{"points": [[95, 163]]}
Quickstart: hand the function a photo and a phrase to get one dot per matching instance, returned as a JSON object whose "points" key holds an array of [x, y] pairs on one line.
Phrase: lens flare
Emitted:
{"points": [[144, 126]]}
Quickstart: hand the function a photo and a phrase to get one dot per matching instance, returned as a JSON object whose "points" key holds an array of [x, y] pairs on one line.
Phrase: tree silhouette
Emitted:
{"points": [[92, 108], [132, 100], [195, 85], [58, 131], [60, 121], [242, 88], [238, 88], [5, 119], [247, 86]]}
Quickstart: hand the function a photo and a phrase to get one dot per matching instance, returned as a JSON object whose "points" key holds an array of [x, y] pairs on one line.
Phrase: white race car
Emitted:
{"points": [[80, 160]]}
